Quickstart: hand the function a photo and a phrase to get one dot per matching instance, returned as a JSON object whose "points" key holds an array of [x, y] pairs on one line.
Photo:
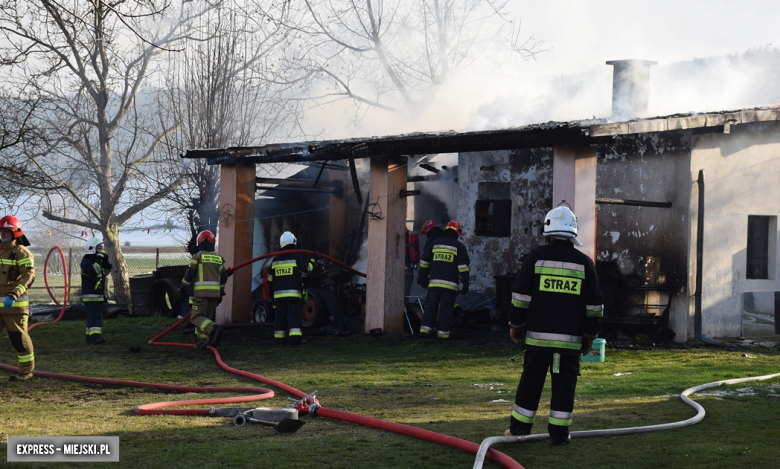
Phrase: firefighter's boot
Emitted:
{"points": [[21, 376], [295, 340], [201, 340], [98, 339], [215, 336]]}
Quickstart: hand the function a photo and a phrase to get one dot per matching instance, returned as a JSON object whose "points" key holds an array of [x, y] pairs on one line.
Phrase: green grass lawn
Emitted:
{"points": [[459, 388]]}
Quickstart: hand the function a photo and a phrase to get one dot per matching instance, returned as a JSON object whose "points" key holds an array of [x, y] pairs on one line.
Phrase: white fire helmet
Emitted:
{"points": [[561, 222], [287, 238], [92, 244]]}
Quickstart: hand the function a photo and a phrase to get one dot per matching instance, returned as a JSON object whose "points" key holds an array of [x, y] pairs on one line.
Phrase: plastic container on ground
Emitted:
{"points": [[597, 352]]}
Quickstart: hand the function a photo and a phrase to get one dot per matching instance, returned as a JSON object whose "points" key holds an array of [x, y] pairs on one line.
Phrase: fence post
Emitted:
{"points": [[157, 259], [70, 270]]}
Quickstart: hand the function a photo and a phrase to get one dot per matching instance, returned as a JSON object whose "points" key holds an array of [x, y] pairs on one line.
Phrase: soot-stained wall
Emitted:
{"points": [[656, 168], [529, 174]]}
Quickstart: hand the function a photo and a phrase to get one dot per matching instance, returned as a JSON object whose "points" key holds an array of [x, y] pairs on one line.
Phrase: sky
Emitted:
{"points": [[582, 36], [572, 81]]}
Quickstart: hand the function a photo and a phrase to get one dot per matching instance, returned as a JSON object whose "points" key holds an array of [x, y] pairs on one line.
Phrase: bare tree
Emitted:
{"points": [[88, 61], [382, 52], [229, 88]]}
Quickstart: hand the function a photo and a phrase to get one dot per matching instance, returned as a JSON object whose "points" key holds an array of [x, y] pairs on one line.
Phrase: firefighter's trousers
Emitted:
{"points": [[20, 339], [439, 302], [564, 370], [94, 311], [288, 320], [202, 313]]}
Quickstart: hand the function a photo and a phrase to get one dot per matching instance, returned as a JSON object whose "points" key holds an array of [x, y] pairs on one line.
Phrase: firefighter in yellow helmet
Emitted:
{"points": [[207, 275], [17, 273]]}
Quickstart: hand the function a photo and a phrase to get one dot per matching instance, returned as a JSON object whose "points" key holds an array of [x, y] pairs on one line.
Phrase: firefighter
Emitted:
{"points": [[94, 269], [444, 262], [556, 306], [207, 275], [285, 281], [432, 232], [17, 272]]}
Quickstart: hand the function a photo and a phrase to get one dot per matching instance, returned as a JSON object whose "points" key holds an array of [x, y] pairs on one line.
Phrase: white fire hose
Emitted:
{"points": [[483, 448]]}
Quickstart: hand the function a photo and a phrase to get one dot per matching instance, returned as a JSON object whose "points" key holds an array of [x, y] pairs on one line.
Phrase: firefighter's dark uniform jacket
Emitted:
{"points": [[285, 279], [432, 236], [17, 273], [557, 297], [444, 262], [206, 274], [94, 269]]}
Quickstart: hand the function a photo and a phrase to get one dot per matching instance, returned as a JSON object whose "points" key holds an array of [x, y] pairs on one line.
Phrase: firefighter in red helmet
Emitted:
{"points": [[443, 265], [207, 275], [16, 276], [432, 232]]}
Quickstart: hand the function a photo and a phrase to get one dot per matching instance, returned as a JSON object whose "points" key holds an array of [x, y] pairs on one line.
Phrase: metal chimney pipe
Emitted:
{"points": [[630, 88]]}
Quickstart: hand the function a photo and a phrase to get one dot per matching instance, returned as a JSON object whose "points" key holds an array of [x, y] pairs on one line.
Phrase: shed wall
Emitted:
{"points": [[742, 171]]}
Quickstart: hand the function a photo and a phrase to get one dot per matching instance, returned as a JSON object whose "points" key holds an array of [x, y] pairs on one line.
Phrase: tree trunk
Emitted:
{"points": [[119, 272]]}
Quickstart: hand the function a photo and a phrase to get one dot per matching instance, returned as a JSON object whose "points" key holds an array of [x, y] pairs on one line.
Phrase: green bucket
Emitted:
{"points": [[596, 353]]}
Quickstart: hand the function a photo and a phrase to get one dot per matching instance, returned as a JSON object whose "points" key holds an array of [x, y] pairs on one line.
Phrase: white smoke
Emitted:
{"points": [[361, 264]]}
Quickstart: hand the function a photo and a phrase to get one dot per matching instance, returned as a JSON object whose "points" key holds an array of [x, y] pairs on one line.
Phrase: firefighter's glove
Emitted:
{"points": [[517, 334], [228, 272], [464, 288], [8, 302], [184, 291], [587, 345], [422, 281]]}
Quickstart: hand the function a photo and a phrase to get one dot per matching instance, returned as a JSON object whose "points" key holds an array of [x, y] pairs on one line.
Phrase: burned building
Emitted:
{"points": [[679, 212]]}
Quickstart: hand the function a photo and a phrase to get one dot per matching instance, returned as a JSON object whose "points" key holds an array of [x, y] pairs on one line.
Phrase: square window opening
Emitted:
{"points": [[493, 211]]}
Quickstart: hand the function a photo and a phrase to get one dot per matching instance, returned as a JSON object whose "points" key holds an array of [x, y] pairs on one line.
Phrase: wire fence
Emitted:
{"points": [[140, 260]]}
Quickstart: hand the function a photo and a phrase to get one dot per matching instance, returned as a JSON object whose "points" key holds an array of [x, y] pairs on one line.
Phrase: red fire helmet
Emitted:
{"points": [[453, 225], [10, 222], [206, 235], [428, 226]]}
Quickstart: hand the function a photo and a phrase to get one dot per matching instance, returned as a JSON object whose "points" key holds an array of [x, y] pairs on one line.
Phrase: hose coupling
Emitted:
{"points": [[239, 420], [302, 404], [212, 411], [313, 410]]}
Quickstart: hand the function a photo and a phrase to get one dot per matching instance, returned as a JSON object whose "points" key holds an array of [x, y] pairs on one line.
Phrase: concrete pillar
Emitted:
{"points": [[336, 218], [574, 180], [235, 239], [386, 244]]}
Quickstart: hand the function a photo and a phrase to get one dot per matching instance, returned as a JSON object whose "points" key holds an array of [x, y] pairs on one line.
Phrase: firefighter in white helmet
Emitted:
{"points": [[95, 268], [16, 276], [207, 275], [286, 284], [556, 306]]}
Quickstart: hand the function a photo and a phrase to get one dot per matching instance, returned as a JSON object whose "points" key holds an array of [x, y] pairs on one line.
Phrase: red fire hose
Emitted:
{"points": [[48, 288], [159, 408]]}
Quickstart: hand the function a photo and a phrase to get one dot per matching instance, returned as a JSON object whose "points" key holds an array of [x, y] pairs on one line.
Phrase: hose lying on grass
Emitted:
{"points": [[162, 407], [484, 447]]}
